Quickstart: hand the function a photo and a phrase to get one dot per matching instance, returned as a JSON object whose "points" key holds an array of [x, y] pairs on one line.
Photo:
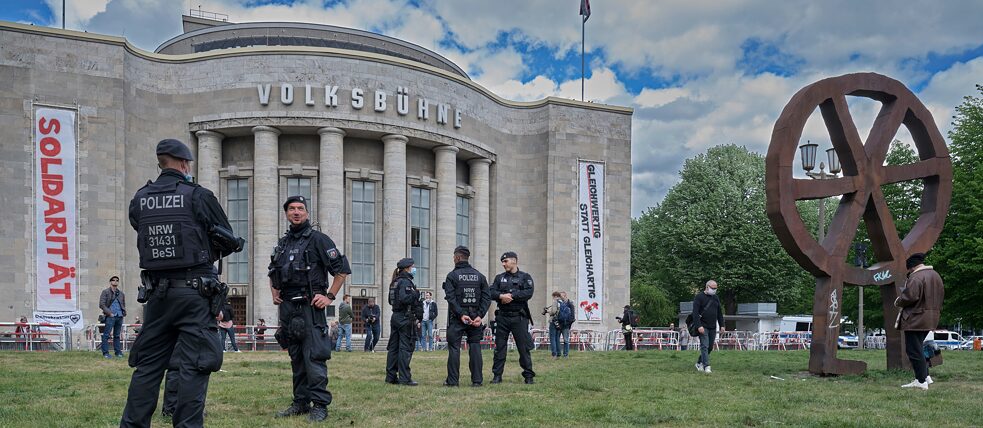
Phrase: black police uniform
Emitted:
{"points": [[467, 293], [514, 318], [300, 265], [173, 218], [404, 298]]}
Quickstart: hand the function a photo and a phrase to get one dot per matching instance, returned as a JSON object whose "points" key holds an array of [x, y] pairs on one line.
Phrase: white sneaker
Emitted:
{"points": [[928, 380], [699, 367], [707, 369], [916, 384]]}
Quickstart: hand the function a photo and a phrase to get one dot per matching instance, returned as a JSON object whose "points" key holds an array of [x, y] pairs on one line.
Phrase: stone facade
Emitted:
{"points": [[517, 162]]}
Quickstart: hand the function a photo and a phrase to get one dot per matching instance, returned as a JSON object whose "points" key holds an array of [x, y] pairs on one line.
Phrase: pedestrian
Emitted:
{"points": [[561, 318], [920, 301], [708, 314], [302, 262], [468, 299], [333, 333], [628, 320], [426, 326], [260, 332], [345, 318], [373, 328], [112, 301], [512, 290], [227, 326], [404, 298], [181, 232]]}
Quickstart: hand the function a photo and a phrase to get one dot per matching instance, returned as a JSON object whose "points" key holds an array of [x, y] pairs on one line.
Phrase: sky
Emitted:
{"points": [[698, 73]]}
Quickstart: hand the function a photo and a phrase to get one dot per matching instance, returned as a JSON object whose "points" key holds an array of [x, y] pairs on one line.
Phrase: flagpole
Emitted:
{"points": [[583, 37]]}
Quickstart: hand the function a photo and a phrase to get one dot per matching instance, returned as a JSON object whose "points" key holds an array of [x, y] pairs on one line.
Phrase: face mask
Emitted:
{"points": [[711, 291], [413, 270]]}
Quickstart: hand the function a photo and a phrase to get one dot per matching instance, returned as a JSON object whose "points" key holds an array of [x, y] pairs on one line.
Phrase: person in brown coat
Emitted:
{"points": [[921, 304]]}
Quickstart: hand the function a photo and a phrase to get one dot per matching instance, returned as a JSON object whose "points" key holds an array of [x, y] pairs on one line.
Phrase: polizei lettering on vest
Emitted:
{"points": [[377, 98], [162, 201]]}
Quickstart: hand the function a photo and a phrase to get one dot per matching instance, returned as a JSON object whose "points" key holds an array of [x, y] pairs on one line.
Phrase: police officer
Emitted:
{"points": [[299, 269], [181, 231], [404, 298], [468, 300], [512, 290]]}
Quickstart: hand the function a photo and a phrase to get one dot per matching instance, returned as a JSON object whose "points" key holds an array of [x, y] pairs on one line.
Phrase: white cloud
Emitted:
{"points": [[695, 46]]}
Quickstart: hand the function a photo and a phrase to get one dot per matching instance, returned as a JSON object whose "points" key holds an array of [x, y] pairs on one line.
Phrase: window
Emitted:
{"points": [[463, 220], [363, 232], [301, 186], [420, 234], [237, 264]]}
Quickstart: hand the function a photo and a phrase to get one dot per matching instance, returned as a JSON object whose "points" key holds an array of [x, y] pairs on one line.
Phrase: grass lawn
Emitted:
{"points": [[66, 389]]}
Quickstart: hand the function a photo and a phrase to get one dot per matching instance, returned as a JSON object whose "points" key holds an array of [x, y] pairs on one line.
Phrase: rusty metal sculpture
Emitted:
{"points": [[864, 173]]}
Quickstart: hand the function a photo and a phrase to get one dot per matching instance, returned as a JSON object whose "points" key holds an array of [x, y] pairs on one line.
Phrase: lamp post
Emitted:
{"points": [[808, 153], [860, 250]]}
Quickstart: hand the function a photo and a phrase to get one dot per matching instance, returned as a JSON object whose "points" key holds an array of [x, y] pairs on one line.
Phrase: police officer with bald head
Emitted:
{"points": [[299, 271], [181, 231], [512, 290], [468, 299]]}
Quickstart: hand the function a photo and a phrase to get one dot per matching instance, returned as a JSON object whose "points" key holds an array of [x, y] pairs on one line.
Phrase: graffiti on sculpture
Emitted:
{"points": [[860, 200]]}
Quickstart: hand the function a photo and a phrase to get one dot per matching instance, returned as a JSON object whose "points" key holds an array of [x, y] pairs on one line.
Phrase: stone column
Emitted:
{"points": [[266, 215], [209, 159], [445, 167], [331, 185], [394, 215], [479, 244]]}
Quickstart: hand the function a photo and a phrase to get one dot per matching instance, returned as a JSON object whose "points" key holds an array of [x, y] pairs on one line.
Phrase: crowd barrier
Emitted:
{"points": [[18, 336], [248, 337]]}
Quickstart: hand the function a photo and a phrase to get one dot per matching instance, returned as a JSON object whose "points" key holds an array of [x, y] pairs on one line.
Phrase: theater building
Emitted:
{"points": [[400, 152]]}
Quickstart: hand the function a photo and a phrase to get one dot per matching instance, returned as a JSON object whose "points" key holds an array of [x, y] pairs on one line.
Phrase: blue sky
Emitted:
{"points": [[697, 73]]}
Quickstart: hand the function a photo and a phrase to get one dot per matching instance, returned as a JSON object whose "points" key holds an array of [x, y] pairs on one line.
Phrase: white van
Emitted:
{"points": [[945, 339]]}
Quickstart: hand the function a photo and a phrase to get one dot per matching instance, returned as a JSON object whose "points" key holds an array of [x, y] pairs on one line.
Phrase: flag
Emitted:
{"points": [[585, 9]]}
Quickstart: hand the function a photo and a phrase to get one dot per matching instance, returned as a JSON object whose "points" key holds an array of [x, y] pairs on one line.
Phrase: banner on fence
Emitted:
{"points": [[590, 242], [55, 224], [71, 319]]}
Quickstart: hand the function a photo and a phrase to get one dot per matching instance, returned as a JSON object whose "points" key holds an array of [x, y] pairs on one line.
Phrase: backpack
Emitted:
{"points": [[633, 318], [564, 315]]}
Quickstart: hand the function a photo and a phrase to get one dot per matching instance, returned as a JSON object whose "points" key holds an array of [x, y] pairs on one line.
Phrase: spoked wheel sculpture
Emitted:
{"points": [[864, 173]]}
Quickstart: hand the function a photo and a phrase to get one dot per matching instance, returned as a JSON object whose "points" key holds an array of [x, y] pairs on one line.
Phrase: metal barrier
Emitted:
{"points": [[247, 337], [784, 340], [875, 342], [18, 336]]}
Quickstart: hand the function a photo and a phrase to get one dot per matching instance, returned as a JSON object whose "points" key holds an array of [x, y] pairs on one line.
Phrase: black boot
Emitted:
{"points": [[294, 410], [318, 413], [496, 379]]}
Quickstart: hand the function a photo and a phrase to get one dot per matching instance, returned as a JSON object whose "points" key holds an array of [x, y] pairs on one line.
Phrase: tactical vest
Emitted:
{"points": [[168, 235], [468, 288], [294, 265]]}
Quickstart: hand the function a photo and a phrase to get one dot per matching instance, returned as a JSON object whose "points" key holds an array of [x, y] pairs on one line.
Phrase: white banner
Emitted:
{"points": [[55, 209], [590, 260], [71, 319]]}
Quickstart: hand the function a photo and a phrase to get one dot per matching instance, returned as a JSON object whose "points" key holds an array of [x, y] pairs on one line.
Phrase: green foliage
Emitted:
{"points": [[712, 225], [959, 254], [650, 300]]}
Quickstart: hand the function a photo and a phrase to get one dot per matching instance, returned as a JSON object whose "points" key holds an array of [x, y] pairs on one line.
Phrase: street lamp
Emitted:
{"points": [[808, 153], [860, 251]]}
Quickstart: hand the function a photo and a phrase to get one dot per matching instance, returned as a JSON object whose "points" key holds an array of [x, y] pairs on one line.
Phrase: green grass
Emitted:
{"points": [[646, 388]]}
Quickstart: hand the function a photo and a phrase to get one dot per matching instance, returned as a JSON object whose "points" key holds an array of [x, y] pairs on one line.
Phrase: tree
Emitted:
{"points": [[904, 201], [712, 225], [959, 254]]}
